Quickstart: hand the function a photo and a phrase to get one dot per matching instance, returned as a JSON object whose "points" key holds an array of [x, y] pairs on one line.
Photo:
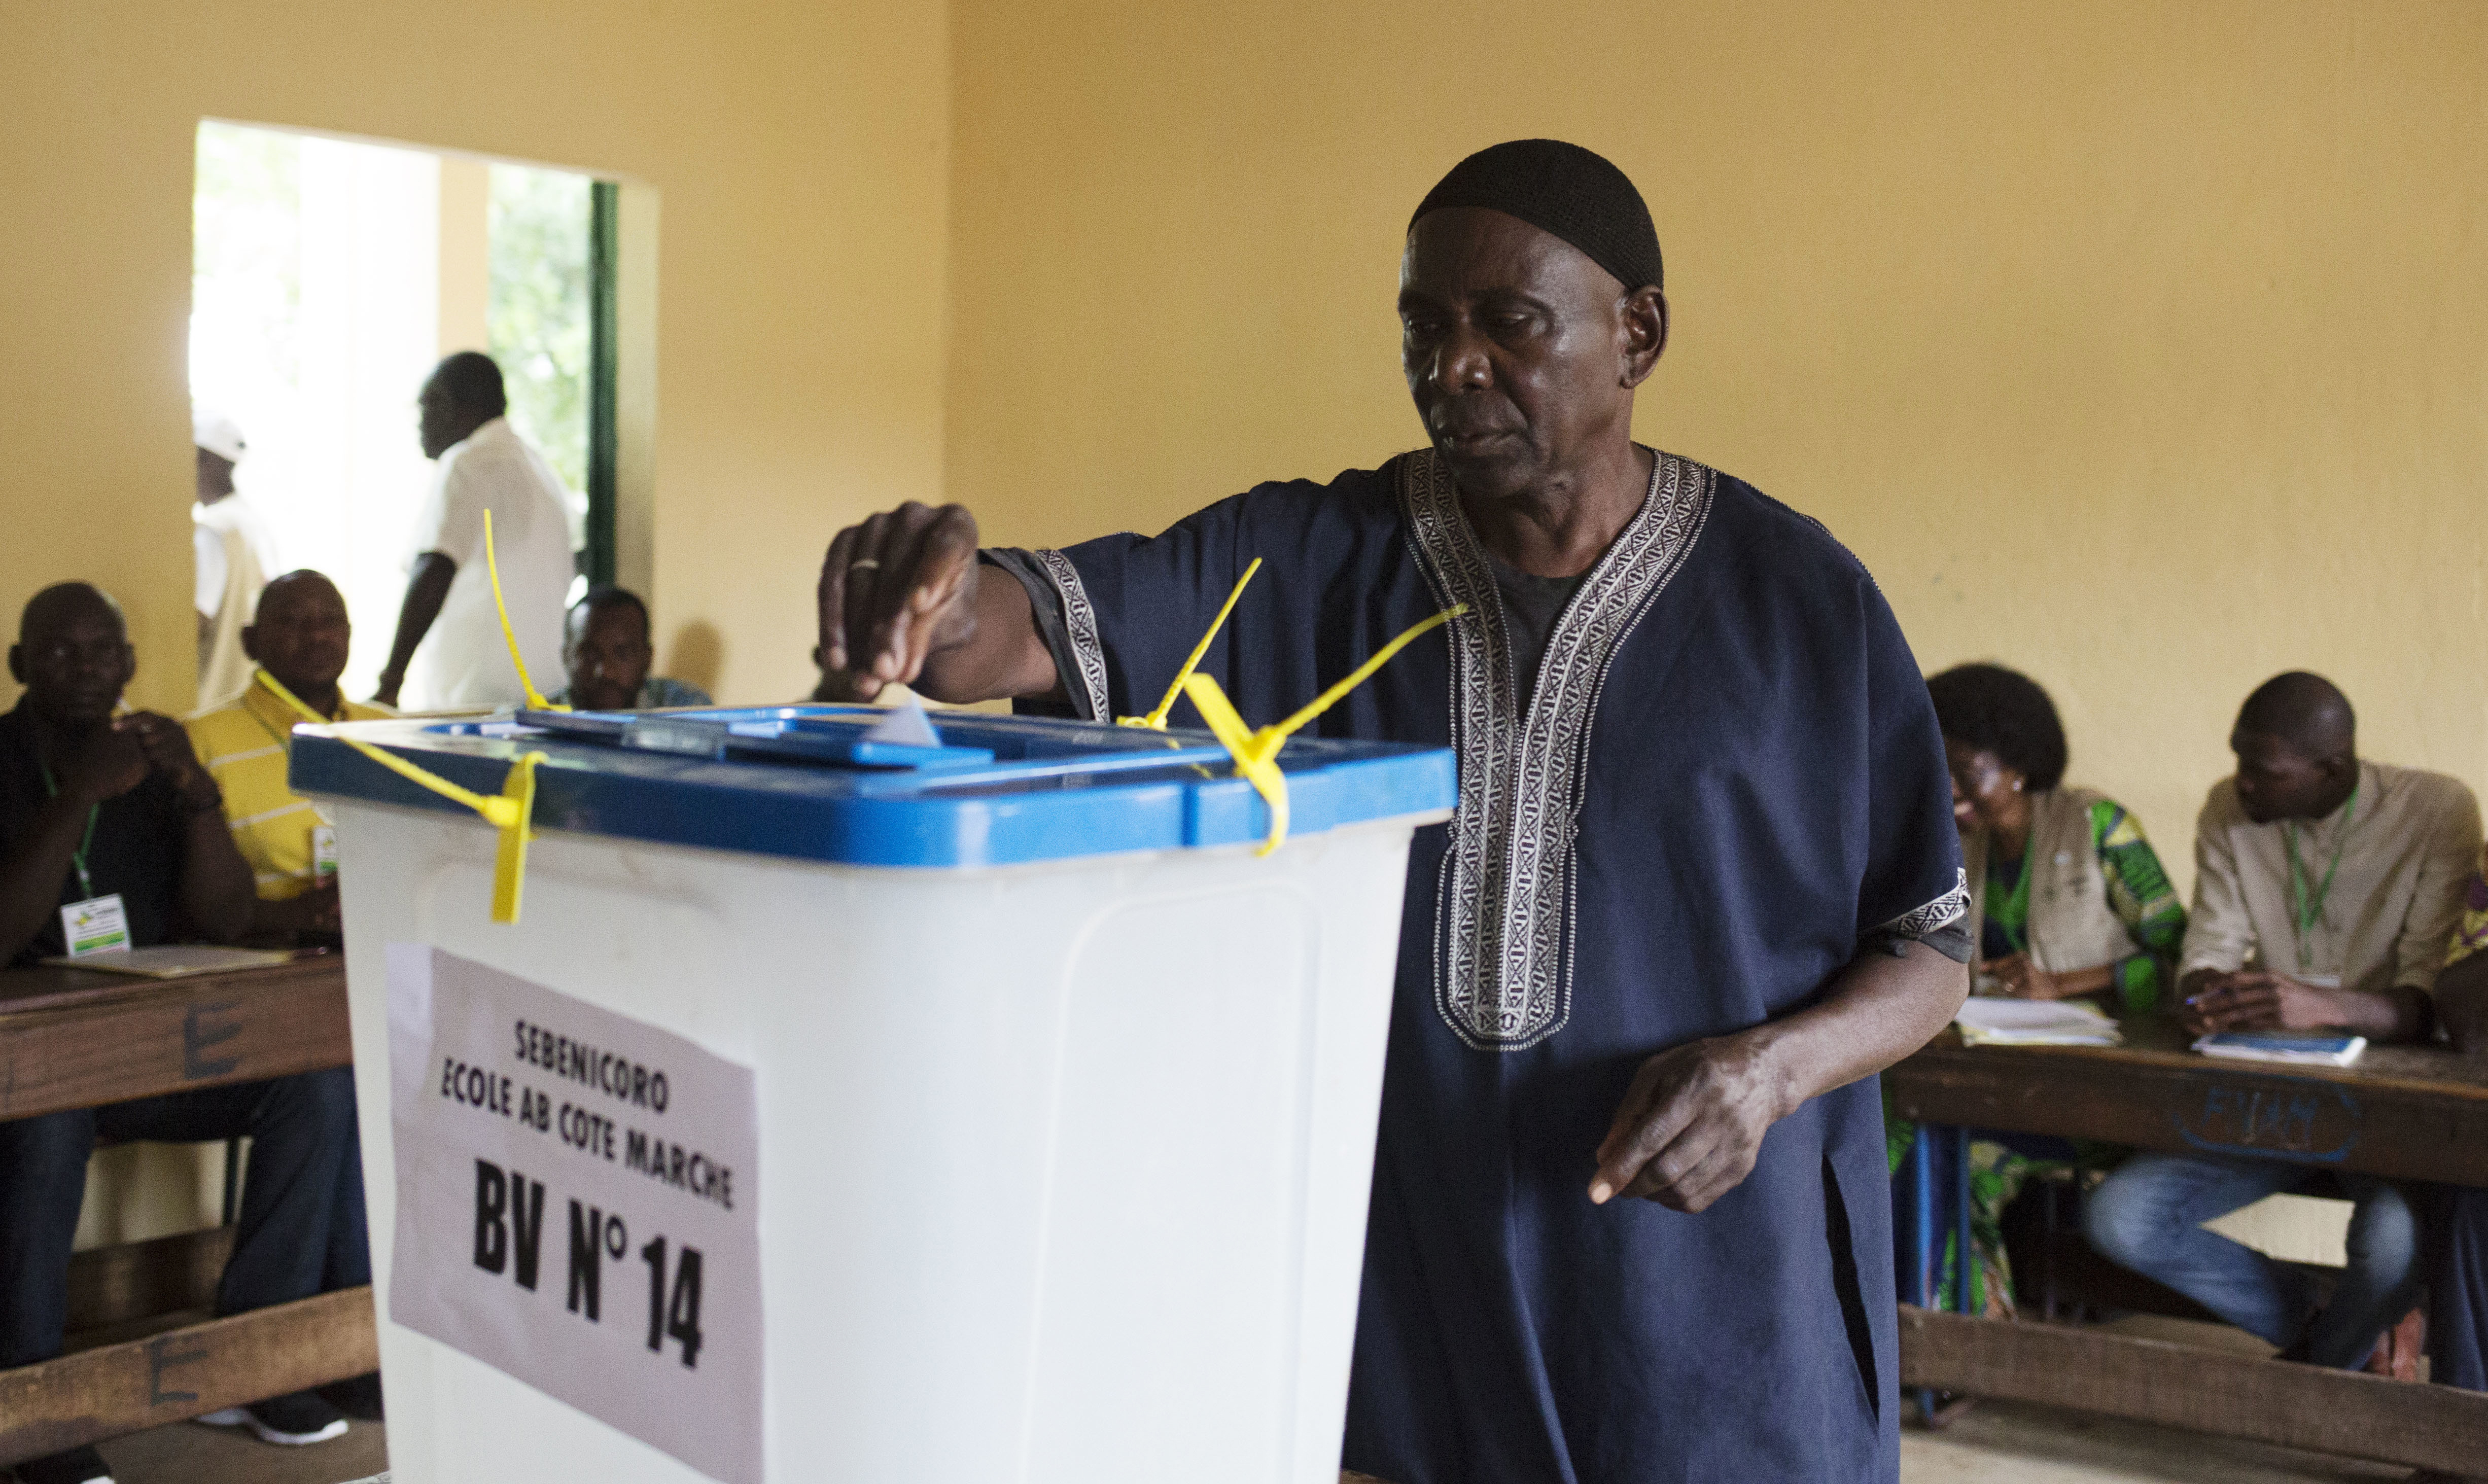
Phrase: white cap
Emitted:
{"points": [[217, 433]]}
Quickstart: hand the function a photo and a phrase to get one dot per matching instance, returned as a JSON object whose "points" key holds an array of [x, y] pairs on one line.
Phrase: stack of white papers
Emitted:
{"points": [[1986, 1021]]}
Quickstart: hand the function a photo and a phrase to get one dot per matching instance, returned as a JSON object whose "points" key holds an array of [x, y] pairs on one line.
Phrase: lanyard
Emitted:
{"points": [[2306, 912], [86, 882], [284, 738], [262, 681], [2013, 913]]}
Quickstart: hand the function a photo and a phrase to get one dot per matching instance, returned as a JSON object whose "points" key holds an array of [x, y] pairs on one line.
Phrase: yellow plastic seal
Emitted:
{"points": [[510, 811], [510, 857], [1256, 752], [510, 635], [1156, 720]]}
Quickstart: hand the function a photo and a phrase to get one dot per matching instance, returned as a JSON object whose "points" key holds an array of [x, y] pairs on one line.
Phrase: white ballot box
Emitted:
{"points": [[982, 1113]]}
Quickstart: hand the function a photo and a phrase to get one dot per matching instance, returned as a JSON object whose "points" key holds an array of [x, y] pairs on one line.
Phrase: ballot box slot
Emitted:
{"points": [[775, 734], [980, 756], [978, 752]]}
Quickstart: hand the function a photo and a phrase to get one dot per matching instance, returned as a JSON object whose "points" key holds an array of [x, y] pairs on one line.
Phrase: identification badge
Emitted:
{"points": [[324, 852], [95, 925]]}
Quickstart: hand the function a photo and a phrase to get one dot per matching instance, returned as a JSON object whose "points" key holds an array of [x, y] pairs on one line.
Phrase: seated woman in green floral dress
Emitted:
{"points": [[2067, 898]]}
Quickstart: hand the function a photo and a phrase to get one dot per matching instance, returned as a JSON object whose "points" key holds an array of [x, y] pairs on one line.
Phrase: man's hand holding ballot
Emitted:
{"points": [[900, 603]]}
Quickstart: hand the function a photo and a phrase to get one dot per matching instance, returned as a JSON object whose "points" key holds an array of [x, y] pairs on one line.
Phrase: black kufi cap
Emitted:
{"points": [[1564, 189]]}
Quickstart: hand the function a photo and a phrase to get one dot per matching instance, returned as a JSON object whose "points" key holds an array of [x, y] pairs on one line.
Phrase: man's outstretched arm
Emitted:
{"points": [[1692, 1124], [901, 602]]}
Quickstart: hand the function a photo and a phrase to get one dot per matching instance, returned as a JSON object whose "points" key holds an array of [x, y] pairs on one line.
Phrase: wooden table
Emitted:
{"points": [[76, 1038], [2403, 1112]]}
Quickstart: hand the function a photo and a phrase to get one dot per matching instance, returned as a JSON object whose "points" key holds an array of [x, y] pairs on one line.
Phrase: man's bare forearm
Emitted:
{"points": [[2399, 1014], [2261, 1000], [427, 588], [1692, 1124], [1880, 1009], [217, 888]]}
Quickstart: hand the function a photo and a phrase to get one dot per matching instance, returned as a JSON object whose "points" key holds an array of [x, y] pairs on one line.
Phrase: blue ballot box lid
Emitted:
{"points": [[807, 782]]}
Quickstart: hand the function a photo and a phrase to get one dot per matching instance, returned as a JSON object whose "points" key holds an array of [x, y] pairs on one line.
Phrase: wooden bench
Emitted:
{"points": [[2404, 1113], [73, 1038]]}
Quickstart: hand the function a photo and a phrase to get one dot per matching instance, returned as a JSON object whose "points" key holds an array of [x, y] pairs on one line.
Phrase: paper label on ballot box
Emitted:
{"points": [[576, 1205]]}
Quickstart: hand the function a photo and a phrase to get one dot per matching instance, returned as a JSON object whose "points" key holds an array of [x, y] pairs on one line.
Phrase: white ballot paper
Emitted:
{"points": [[905, 725], [576, 1205]]}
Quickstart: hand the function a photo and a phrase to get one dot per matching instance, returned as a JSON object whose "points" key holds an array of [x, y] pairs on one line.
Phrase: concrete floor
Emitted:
{"points": [[1994, 1442], [2005, 1443], [188, 1453]]}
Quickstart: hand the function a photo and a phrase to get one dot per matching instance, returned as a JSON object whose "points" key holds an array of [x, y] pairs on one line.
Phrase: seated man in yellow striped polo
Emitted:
{"points": [[299, 639]]}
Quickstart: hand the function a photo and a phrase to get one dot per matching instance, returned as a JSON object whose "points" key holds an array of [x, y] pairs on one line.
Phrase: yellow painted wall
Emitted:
{"points": [[2142, 346], [799, 151], [465, 254]]}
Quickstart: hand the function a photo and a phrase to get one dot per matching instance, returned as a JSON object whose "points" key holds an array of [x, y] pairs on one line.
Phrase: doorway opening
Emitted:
{"points": [[329, 277]]}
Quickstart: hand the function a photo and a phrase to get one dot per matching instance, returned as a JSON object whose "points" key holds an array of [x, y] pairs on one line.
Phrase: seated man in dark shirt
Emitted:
{"points": [[109, 822], [2457, 1321], [604, 646]]}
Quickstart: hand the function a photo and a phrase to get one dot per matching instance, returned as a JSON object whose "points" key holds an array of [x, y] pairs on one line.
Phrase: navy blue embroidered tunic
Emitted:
{"points": [[1725, 780]]}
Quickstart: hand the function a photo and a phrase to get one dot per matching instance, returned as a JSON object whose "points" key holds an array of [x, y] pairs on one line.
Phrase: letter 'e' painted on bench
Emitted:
{"points": [[158, 1362], [202, 1033]]}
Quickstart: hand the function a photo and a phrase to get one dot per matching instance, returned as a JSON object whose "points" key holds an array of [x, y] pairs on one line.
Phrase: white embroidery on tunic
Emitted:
{"points": [[1080, 626], [1939, 912], [1503, 944]]}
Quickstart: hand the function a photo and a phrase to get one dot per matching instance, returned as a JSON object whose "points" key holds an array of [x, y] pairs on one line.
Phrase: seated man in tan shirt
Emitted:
{"points": [[2325, 886]]}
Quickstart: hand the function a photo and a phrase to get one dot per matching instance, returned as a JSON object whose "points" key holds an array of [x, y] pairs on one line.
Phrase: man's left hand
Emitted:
{"points": [[1692, 1126], [167, 747], [2258, 1000]]}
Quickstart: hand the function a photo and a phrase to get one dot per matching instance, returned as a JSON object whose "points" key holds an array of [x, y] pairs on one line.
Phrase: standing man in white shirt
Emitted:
{"points": [[234, 553], [449, 653], [2326, 886]]}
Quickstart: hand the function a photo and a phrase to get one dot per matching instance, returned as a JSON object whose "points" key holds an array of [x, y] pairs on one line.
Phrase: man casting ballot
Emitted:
{"points": [[1629, 1219]]}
